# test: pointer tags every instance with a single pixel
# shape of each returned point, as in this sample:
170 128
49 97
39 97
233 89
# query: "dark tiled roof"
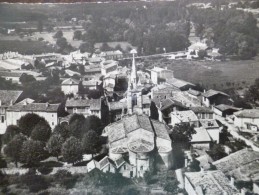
247 113
167 103
179 83
209 123
211 93
201 109
224 107
117 105
41 107
141 145
137 121
10 74
194 92
9 96
94 104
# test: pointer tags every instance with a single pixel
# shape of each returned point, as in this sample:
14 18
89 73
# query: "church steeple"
133 75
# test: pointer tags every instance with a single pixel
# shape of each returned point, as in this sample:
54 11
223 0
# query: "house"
136 137
241 165
224 110
213 97
166 106
70 86
48 111
108 66
247 119
92 84
159 75
201 139
194 93
96 71
203 112
125 168
180 84
125 46
162 91
112 55
85 107
212 128
117 110
14 75
181 96
7 99
187 116
208 183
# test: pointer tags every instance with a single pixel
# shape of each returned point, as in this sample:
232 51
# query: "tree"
32 152
25 79
76 117
62 130
41 131
93 123
86 47
77 35
182 133
62 43
54 145
10 132
195 166
71 150
28 122
14 147
91 142
105 47
118 47
202 54
217 152
153 111
58 34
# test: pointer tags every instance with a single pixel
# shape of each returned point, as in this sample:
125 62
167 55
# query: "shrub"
45 170
35 183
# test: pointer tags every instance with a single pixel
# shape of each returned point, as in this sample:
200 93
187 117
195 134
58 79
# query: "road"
234 132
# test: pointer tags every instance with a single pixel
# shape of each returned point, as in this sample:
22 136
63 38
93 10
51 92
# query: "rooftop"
247 113
209 123
35 107
94 104
179 83
117 105
201 135
212 182
236 159
185 116
9 97
211 93
70 81
194 92
201 109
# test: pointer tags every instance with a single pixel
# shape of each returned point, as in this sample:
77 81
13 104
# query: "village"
109 120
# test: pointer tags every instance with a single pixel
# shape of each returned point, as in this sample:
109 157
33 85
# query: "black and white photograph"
145 97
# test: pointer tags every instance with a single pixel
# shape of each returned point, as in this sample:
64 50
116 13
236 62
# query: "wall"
154 76
214 134
68 89
188 187
240 122
201 145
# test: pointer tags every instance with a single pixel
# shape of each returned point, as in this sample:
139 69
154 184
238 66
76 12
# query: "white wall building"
247 119
70 86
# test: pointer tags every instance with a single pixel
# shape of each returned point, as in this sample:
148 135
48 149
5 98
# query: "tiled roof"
201 135
93 70
212 182
201 109
117 105
194 92
104 162
209 123
167 103
185 116
33 107
137 121
161 130
92 82
120 161
236 160
10 74
141 145
8 97
70 81
212 92
179 83
247 113
94 104
224 107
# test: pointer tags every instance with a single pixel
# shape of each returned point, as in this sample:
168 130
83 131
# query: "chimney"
11 102
202 169
232 181
0 102
47 105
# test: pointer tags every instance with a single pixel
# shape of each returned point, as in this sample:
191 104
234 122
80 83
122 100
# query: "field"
214 74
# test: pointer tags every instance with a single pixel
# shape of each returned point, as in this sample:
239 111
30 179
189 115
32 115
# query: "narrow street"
234 132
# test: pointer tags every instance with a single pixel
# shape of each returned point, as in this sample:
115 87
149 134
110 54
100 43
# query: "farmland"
213 74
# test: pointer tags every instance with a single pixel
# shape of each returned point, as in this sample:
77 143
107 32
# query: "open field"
214 74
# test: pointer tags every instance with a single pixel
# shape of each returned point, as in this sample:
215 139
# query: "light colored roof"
213 92
161 130
8 97
93 70
34 107
117 105
209 123
185 116
224 107
179 83
201 109
247 113
236 159
212 182
140 145
10 74
94 104
194 92
198 46
70 81
168 102
201 135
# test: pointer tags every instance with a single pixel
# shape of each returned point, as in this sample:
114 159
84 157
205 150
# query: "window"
124 167
2 119
74 110
210 116
52 115
141 167
52 123
203 115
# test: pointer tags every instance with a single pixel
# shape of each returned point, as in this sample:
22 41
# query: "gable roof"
194 92
185 116
224 107
168 102
34 107
201 109
94 104
213 182
209 123
179 83
212 92
201 135
70 81
247 113
161 130
8 97
117 105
